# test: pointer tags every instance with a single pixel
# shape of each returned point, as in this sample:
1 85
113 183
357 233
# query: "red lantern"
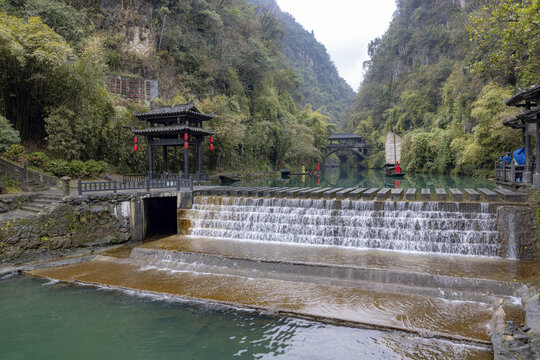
136 140
211 139
318 167
211 147
186 145
186 137
136 147
283 165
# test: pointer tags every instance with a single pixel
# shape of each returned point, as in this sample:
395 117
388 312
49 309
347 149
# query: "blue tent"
519 156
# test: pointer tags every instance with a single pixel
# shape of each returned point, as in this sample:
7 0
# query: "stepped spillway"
451 228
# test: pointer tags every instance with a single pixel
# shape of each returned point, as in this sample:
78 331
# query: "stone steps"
380 194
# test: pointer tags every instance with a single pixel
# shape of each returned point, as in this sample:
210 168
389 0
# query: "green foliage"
63 18
95 167
15 152
37 159
507 37
444 93
10 185
59 168
319 82
77 168
32 62
8 135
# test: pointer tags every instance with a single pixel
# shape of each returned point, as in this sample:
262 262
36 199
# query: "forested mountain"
440 74
227 54
320 83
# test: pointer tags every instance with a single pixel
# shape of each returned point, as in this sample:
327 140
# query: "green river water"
365 178
45 320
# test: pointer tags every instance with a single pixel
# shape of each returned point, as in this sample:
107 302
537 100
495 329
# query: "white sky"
345 28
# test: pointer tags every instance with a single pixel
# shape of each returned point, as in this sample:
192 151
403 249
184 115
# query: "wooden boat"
226 179
393 156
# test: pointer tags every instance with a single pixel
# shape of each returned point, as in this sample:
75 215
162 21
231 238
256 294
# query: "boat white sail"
393 148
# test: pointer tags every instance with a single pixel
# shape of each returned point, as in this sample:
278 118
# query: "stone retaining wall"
16 172
13 202
72 224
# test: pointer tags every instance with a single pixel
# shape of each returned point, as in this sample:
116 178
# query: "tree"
31 55
8 135
506 35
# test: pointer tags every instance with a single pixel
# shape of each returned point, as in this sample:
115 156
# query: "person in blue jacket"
520 156
506 160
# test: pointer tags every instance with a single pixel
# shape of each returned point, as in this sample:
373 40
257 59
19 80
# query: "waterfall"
452 228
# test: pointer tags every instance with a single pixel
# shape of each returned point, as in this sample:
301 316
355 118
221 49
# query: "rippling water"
43 320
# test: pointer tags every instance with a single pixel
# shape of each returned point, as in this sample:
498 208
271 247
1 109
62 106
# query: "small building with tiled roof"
528 122
178 125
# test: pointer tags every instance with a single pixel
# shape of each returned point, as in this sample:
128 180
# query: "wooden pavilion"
527 121
178 125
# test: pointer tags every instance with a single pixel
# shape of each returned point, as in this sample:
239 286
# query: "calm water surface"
41 320
364 178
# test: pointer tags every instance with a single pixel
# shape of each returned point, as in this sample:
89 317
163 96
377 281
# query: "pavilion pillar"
199 161
165 160
150 160
527 174
186 163
536 176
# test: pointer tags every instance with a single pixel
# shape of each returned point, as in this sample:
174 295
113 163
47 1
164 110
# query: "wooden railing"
147 184
509 174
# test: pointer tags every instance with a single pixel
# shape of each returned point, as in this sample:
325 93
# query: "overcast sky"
344 27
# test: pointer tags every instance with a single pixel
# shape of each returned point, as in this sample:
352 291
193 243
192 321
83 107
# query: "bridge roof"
343 136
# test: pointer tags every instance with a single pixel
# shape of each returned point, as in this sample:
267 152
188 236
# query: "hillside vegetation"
228 54
440 74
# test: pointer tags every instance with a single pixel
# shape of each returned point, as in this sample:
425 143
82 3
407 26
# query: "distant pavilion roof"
175 111
343 136
530 94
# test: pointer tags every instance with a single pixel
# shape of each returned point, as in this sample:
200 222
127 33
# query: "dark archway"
162 216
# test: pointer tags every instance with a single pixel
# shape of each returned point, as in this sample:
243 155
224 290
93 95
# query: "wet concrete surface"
462 320
523 272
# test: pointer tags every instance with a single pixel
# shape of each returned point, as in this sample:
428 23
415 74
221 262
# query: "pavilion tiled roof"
172 130
523 95
523 117
173 111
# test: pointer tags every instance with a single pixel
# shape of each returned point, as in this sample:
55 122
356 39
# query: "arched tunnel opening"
162 216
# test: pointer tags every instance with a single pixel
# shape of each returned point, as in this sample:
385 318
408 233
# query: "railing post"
513 172
79 186
148 184
114 186
178 184
191 184
25 177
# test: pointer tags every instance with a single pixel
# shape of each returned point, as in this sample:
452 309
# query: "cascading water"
453 228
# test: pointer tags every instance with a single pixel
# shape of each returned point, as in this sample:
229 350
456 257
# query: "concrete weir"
446 269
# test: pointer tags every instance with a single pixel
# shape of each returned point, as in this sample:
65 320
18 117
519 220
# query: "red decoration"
211 147
136 140
318 167
186 137
211 139
397 168
186 145
135 147
283 165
